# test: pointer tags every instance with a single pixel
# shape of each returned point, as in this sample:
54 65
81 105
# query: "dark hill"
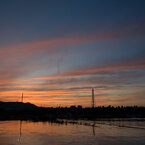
11 106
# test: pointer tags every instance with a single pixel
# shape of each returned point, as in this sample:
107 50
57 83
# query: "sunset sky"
55 51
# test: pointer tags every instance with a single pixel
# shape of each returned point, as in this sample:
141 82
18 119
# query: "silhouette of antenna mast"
93 101
22 98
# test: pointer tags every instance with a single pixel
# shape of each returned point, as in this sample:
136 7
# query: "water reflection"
64 133
20 135
93 127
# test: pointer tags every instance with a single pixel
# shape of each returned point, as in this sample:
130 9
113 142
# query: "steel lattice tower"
22 98
93 101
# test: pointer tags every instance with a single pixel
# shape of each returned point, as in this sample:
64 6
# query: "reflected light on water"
43 133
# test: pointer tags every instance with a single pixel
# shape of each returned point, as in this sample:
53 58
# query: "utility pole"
93 101
22 98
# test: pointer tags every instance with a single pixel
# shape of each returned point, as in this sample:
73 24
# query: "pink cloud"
55 43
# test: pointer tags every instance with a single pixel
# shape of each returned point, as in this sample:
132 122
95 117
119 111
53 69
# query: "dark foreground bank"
28 111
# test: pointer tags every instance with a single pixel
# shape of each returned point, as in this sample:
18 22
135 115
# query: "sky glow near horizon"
55 52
